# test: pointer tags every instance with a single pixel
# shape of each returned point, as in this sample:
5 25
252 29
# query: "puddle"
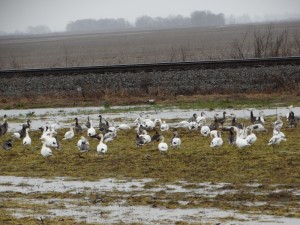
63 116
31 185
119 210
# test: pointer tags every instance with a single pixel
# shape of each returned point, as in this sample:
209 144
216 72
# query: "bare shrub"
173 54
296 38
183 53
14 64
238 49
266 43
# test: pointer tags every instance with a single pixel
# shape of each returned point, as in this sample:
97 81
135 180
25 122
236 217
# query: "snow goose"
182 124
276 139
27 139
50 141
91 131
47 132
46 151
216 141
162 146
110 136
69 134
123 126
240 142
257 127
8 144
164 127
213 134
101 147
276 131
243 132
53 126
145 136
175 141
278 123
201 120
251 138
205 131
193 126
148 124
83 145
78 127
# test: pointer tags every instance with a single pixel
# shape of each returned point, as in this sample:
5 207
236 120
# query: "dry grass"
188 44
194 162
208 101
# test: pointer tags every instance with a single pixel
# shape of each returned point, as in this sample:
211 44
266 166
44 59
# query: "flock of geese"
238 134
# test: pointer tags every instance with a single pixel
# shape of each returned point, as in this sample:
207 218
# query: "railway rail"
210 64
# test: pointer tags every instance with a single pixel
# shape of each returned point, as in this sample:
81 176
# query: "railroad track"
211 64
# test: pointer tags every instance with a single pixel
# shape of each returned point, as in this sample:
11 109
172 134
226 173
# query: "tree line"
196 19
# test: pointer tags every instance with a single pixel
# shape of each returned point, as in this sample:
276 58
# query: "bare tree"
66 54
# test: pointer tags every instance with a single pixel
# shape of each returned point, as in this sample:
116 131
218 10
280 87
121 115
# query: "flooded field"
65 116
109 201
192 185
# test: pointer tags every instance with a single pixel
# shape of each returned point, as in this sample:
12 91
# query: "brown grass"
188 44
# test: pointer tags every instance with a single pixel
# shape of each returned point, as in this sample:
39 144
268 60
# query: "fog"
54 15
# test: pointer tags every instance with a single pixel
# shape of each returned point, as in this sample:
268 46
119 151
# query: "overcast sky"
19 14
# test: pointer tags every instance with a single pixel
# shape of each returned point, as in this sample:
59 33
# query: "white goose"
205 131
240 142
162 146
45 151
110 136
145 136
216 141
50 141
123 126
91 131
182 124
213 134
257 127
164 126
101 147
276 139
251 138
27 139
201 120
175 141
69 134
193 125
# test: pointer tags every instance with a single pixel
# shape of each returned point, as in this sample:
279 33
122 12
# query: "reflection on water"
85 209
